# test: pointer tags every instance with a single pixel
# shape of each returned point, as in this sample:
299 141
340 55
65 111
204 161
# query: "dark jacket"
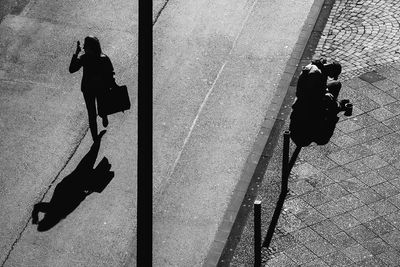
98 72
311 86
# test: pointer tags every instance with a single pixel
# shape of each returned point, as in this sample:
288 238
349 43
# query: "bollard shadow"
74 188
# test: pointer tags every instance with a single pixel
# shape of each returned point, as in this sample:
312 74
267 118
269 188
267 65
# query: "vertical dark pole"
145 119
285 161
257 233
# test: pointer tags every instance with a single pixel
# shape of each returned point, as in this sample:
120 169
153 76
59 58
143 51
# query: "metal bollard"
257 233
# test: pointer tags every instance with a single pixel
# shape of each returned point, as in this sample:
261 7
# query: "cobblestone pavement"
361 34
344 203
343 208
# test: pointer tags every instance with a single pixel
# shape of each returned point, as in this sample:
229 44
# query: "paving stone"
295 205
373 131
365 104
319 180
345 221
364 214
288 223
310 216
349 202
389 173
377 145
323 163
341 240
379 97
304 170
381 114
374 162
344 141
359 151
357 168
341 157
390 156
376 246
320 247
386 189
371 77
391 257
337 259
334 191
300 254
393 107
357 253
371 178
393 239
283 242
348 126
394 92
315 263
279 260
361 233
368 196
326 228
383 207
330 209
300 187
356 83
385 84
395 200
315 198
338 173
365 119
394 219
393 123
305 235
380 226
370 262
352 185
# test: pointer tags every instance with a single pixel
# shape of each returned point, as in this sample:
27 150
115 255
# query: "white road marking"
206 98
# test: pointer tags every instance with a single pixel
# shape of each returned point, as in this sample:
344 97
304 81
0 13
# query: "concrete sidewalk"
343 205
43 123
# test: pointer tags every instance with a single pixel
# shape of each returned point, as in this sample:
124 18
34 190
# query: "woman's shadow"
74 188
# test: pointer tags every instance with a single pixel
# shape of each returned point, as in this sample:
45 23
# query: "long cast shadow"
74 188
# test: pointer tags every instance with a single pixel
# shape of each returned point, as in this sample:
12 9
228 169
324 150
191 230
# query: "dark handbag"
118 99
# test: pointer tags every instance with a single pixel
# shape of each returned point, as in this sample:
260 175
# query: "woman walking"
97 79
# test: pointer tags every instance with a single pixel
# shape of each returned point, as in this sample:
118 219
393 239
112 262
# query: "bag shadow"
74 188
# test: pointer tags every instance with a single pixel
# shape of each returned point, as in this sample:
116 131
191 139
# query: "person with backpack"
314 113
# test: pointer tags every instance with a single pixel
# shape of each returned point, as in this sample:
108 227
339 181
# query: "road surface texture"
44 130
216 66
343 207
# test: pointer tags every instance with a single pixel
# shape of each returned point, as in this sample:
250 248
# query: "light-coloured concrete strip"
192 204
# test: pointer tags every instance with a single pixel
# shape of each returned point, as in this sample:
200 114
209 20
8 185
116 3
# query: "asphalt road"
43 124
216 66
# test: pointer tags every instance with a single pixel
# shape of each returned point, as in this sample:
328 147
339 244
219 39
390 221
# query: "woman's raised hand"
78 48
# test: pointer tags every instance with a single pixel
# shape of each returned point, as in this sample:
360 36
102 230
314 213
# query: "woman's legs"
101 106
91 108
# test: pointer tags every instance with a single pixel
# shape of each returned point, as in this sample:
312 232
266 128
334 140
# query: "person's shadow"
74 188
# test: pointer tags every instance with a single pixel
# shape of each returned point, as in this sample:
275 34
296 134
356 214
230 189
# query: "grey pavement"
343 204
217 66
43 124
